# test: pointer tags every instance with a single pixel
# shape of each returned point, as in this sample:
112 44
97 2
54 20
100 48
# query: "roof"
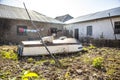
64 18
97 15
10 12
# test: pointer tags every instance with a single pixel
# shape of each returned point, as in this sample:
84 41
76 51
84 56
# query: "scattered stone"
35 68
46 63
74 64
79 71
27 66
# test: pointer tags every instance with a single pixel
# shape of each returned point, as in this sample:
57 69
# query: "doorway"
76 34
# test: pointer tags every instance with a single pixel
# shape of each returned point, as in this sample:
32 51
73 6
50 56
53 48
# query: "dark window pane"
53 30
89 30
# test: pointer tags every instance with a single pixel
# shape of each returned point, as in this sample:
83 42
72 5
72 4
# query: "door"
76 34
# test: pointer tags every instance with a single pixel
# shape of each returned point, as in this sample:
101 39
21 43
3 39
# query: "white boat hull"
54 49
63 45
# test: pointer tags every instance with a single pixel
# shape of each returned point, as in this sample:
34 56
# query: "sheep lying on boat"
61 45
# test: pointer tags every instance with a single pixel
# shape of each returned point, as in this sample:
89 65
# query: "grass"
93 63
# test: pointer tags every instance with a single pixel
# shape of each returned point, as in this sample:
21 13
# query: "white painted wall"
98 26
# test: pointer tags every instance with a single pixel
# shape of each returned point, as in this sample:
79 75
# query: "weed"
97 62
4 74
67 75
9 55
30 60
29 75
85 49
87 60
110 71
92 46
40 62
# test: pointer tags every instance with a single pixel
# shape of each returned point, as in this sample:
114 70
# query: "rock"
34 68
79 71
91 78
103 69
5 49
95 75
27 66
46 63
86 70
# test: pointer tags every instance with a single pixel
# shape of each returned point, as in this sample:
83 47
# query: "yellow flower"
28 75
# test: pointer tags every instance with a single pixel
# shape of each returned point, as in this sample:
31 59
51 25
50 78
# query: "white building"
104 24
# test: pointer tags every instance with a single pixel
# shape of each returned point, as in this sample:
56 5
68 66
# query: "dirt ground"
90 64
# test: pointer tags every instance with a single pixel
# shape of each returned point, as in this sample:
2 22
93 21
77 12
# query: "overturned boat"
57 46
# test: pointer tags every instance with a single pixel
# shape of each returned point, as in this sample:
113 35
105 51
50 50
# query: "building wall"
99 27
11 35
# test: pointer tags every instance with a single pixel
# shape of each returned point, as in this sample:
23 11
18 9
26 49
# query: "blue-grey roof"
64 17
97 15
10 12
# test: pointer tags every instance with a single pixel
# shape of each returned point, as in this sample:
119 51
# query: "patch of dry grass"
75 66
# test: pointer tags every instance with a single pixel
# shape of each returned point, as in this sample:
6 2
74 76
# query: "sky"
75 8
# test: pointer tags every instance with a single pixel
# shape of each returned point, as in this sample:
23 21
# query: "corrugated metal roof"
20 13
64 18
97 15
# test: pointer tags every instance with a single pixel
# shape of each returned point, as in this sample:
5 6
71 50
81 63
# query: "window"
53 30
89 30
117 27
21 30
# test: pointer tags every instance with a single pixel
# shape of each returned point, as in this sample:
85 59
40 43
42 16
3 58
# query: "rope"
35 27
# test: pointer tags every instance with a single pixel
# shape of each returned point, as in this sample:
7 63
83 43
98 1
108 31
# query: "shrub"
9 55
97 62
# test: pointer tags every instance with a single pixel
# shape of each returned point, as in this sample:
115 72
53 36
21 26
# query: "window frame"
89 28
20 33
53 30
117 27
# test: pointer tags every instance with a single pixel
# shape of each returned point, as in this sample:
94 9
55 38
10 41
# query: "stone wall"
8 30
